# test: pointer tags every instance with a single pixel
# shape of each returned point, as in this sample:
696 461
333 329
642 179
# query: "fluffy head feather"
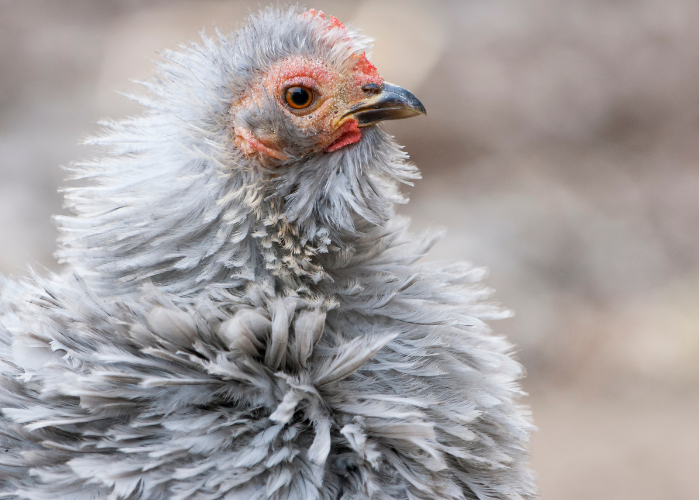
247 320
175 201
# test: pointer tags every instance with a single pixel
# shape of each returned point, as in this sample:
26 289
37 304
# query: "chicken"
241 313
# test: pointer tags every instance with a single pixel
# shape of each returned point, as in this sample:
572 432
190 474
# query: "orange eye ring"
299 97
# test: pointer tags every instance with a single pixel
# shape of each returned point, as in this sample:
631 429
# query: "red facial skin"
334 93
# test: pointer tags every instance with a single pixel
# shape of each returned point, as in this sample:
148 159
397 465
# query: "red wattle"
350 134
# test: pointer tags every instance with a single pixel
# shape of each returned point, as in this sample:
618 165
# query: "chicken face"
302 105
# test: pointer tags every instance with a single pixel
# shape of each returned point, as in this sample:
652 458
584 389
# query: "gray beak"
388 102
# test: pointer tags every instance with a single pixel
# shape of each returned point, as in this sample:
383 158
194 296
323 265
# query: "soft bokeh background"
560 151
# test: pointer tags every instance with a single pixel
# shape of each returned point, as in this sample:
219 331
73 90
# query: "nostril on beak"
371 88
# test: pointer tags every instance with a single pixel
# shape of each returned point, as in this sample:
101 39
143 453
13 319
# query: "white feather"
177 327
228 328
246 331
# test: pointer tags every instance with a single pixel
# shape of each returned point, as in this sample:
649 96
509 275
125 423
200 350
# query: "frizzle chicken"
242 315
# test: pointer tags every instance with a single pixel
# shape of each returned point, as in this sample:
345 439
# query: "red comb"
365 70
333 22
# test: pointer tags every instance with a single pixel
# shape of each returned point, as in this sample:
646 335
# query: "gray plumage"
228 328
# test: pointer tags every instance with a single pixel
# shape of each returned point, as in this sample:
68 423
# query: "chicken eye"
299 97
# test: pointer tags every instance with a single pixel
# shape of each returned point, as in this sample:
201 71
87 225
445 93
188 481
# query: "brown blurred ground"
560 151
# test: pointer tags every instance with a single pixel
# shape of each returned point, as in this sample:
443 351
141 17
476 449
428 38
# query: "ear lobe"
249 145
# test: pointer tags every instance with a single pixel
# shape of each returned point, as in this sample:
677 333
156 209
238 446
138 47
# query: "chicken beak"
388 102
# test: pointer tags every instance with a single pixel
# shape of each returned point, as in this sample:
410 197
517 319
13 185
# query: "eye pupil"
298 97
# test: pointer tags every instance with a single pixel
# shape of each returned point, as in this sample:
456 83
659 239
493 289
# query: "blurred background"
561 151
